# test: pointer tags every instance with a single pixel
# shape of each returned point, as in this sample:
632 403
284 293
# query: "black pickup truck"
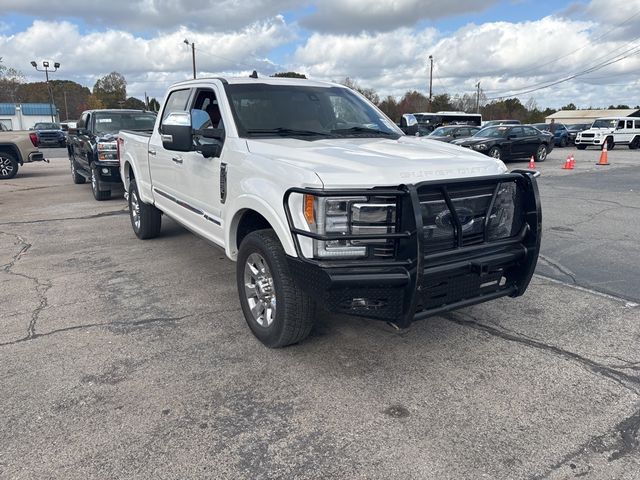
92 146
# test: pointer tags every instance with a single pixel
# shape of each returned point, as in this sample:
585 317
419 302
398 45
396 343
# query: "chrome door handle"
152 152
177 159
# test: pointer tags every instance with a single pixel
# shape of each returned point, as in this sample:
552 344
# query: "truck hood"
365 162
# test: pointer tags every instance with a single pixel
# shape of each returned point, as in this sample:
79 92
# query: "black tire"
148 221
635 143
8 166
563 142
541 153
294 309
581 147
98 194
609 143
495 152
77 178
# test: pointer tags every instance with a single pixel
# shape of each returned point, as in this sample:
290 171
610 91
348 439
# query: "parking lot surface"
130 359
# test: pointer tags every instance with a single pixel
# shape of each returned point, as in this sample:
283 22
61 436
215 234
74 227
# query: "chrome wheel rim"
6 167
495 153
542 153
135 210
259 290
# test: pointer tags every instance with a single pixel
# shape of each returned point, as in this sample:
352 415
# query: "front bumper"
108 171
590 141
419 283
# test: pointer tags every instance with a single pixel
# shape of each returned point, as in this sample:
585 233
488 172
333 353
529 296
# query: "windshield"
492 132
605 123
113 122
46 126
443 131
308 112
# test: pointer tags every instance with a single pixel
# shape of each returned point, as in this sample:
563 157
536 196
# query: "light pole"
193 55
45 64
430 82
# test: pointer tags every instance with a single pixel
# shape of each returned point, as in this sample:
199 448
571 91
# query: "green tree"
134 103
10 81
154 105
390 108
569 106
289 75
111 90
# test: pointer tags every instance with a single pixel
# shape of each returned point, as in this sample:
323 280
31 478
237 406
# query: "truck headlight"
107 151
503 222
348 216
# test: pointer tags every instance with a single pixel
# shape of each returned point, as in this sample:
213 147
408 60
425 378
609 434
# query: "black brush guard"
421 280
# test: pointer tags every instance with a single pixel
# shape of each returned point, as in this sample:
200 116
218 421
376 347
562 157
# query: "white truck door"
165 166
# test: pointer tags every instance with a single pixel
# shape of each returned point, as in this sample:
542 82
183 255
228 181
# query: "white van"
612 131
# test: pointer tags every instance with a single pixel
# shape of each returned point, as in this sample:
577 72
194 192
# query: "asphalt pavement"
129 359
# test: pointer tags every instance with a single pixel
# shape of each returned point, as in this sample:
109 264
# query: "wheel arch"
251 214
13 150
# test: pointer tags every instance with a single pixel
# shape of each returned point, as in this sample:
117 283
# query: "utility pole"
66 109
430 82
45 64
478 98
193 55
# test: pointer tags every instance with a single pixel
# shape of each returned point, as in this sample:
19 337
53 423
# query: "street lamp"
193 55
45 64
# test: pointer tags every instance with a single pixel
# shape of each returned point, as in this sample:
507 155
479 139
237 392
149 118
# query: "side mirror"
176 132
409 124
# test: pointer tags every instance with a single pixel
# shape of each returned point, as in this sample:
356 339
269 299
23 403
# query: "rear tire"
277 311
98 194
8 166
635 143
146 219
541 153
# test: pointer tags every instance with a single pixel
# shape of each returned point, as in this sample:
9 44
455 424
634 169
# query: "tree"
390 108
413 101
369 93
10 80
289 75
134 103
154 105
441 103
111 89
569 106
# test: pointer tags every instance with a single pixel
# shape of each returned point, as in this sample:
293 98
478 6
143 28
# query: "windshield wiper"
363 130
287 132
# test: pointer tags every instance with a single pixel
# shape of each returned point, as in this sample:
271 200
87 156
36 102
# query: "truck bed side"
134 158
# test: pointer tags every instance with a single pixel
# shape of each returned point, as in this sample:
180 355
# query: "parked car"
573 130
322 200
452 132
611 131
16 149
560 133
92 146
50 134
510 141
493 123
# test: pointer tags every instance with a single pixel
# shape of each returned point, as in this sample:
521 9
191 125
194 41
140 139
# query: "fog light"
105 171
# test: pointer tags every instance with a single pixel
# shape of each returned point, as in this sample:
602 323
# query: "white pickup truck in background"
322 201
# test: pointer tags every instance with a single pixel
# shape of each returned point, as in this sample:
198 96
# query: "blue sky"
505 45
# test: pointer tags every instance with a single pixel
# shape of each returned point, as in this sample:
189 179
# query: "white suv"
612 131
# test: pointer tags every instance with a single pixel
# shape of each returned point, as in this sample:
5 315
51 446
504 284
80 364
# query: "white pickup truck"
323 201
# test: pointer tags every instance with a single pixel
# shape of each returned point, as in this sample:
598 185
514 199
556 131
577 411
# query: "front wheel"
77 178
541 153
609 143
8 166
146 219
95 186
495 152
277 311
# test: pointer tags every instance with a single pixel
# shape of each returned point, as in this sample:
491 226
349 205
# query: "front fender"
246 202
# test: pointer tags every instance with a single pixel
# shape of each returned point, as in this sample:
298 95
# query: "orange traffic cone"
573 161
603 155
567 164
532 163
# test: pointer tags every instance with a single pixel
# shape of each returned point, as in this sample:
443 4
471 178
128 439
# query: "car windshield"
113 122
542 126
46 126
492 132
574 128
305 111
605 123
443 131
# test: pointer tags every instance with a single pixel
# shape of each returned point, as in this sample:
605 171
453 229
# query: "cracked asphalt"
129 359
